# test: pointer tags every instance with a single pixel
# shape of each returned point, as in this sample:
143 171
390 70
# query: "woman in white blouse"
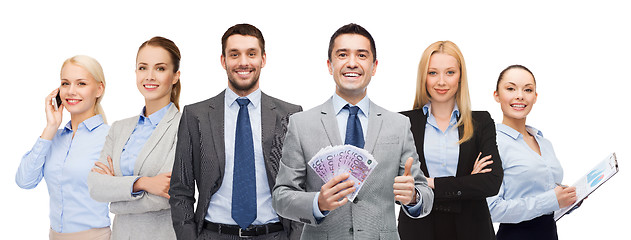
530 191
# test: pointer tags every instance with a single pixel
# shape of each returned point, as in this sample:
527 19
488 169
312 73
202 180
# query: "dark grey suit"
200 159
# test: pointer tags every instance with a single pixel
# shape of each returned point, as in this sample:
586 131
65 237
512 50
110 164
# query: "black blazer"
460 210
200 159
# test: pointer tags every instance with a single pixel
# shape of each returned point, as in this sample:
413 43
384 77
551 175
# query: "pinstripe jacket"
200 159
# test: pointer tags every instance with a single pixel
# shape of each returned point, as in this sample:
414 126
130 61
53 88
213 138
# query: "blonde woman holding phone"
63 157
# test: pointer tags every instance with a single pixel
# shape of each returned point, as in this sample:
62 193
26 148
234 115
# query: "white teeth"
72 100
351 75
518 105
151 86
243 73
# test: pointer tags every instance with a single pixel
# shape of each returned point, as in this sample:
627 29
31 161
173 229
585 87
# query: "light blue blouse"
441 149
138 138
527 190
64 162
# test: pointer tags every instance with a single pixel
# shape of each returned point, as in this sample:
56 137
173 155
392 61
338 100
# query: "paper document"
591 181
332 161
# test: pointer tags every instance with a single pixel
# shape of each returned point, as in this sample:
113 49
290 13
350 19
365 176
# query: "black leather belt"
251 231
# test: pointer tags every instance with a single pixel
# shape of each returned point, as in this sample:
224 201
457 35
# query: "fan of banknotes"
333 161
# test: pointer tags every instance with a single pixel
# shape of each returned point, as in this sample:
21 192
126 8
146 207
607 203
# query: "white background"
579 53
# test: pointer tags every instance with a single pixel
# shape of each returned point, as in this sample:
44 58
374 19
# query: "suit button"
350 230
356 200
459 193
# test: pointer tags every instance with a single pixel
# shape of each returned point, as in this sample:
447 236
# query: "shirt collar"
455 113
515 134
339 103
533 131
155 117
90 123
254 97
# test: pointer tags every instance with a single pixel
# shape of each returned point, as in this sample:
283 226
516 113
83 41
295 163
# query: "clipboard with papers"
587 184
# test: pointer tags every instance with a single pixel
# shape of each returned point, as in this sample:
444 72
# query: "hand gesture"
332 194
478 166
565 196
158 185
102 169
404 190
53 118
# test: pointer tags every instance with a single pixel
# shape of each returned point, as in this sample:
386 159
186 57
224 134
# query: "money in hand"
333 161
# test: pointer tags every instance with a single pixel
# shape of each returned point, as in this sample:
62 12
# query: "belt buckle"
241 235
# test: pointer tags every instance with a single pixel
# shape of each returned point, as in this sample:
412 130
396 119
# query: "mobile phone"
57 102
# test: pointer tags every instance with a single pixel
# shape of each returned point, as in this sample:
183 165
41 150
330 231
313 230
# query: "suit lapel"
120 145
374 127
330 123
464 167
216 123
155 137
418 132
269 117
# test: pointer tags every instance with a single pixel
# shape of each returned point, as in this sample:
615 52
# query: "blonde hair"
462 95
94 68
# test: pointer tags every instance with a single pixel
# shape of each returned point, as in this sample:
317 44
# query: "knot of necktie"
243 102
352 109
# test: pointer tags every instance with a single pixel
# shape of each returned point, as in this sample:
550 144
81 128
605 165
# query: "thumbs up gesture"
404 190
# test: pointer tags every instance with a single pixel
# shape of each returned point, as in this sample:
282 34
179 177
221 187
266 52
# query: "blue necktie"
243 178
354 133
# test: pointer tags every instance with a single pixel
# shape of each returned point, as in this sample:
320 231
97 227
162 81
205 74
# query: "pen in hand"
562 185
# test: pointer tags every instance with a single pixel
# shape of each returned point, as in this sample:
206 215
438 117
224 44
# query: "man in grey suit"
302 196
224 147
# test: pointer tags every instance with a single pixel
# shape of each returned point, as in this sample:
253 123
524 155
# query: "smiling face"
243 61
352 66
154 74
79 90
443 78
516 94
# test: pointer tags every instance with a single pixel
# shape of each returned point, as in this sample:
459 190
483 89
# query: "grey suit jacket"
200 160
145 216
371 215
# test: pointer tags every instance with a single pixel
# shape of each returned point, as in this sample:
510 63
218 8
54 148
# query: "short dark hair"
516 66
353 28
242 29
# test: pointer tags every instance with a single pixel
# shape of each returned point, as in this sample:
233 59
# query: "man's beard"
245 88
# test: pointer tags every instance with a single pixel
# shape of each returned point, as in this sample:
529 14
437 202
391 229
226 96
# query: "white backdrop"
578 52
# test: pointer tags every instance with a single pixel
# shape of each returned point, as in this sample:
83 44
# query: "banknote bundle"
333 161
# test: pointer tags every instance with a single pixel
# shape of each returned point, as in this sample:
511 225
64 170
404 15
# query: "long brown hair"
170 47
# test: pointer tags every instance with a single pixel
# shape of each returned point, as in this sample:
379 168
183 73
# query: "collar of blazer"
418 132
329 122
127 128
163 126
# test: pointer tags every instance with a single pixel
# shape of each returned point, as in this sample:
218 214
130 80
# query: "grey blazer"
200 160
372 214
145 216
